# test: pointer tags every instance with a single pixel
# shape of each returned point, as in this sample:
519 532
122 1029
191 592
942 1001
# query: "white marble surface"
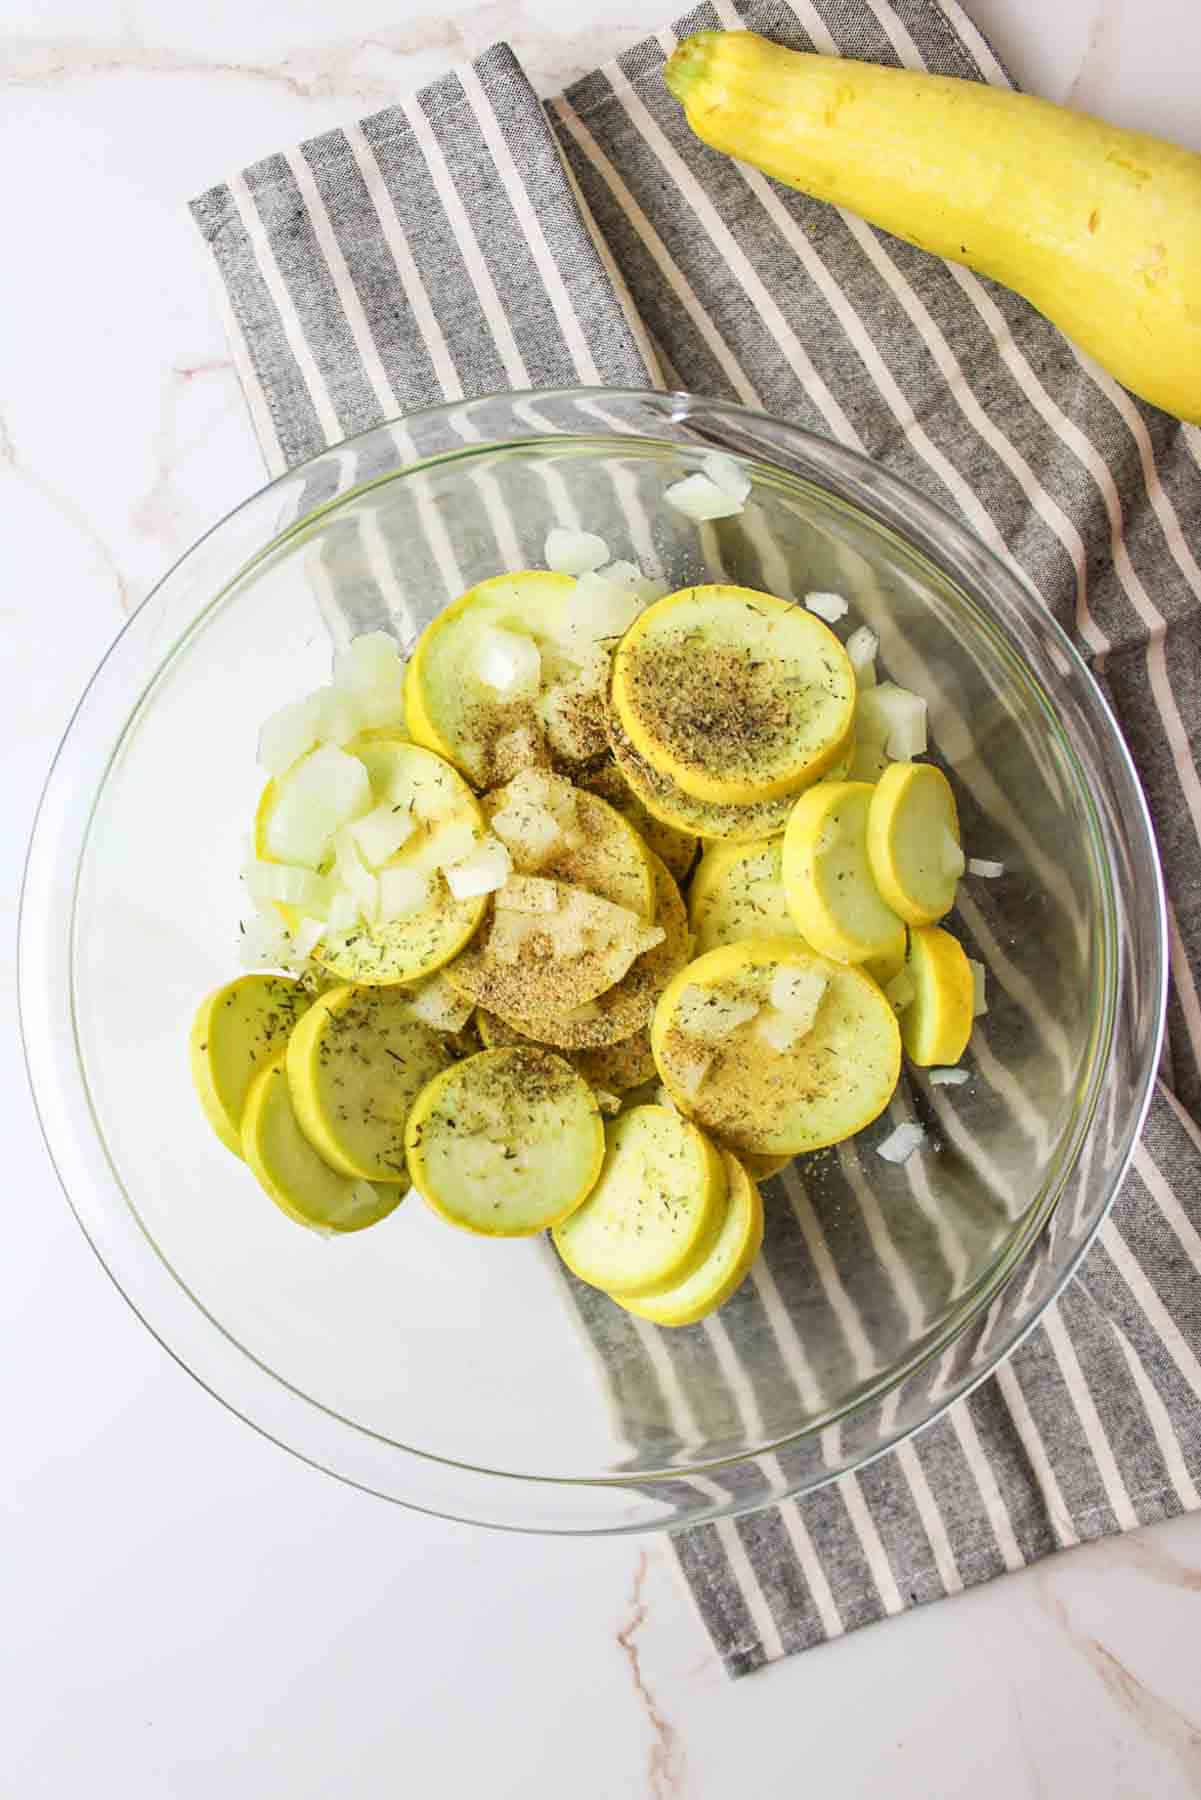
188 1611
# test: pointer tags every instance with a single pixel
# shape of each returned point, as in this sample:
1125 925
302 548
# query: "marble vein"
665 1764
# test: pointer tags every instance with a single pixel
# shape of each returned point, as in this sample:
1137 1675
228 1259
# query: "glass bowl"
474 1378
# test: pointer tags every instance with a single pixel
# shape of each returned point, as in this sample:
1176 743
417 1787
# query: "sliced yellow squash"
727 1265
723 1060
354 1071
674 846
937 1022
506 1143
237 1031
913 841
737 893
301 1182
626 1007
450 707
737 696
447 821
553 828
665 800
655 1211
762 1168
547 950
831 891
618 1067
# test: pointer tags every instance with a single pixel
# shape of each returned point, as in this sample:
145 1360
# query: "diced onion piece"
708 1014
948 1077
266 881
900 1143
321 793
830 607
448 841
901 718
528 894
339 716
980 1002
402 892
519 748
371 670
952 855
700 499
628 575
861 648
538 787
574 552
510 663
900 991
307 936
777 1029
343 913
982 866
596 611
607 1102
354 877
797 994
689 1076
263 943
437 1004
287 734
725 474
531 834
483 872
380 833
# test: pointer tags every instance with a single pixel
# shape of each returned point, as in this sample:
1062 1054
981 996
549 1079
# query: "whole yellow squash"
1099 228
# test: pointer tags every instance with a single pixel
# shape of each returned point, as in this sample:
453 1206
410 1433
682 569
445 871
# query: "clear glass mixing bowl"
474 1378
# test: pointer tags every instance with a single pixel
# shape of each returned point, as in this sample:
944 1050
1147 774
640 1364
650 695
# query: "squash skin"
1097 227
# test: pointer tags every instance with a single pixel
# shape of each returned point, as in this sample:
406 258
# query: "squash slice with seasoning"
354 1071
301 1182
237 1031
727 1265
775 1050
506 1143
655 1211
735 695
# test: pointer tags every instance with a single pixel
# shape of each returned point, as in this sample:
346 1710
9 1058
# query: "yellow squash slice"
547 950
237 1031
506 1143
937 1022
449 707
913 841
737 893
675 847
666 801
553 828
614 1068
727 1265
655 1211
299 1181
762 1168
626 1007
445 812
354 1070
737 696
723 1059
831 891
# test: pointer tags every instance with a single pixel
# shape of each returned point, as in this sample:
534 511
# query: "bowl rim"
930 517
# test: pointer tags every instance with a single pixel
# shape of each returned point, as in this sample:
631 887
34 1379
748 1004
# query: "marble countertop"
188 1610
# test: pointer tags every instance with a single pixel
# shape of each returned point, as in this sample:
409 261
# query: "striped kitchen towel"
469 240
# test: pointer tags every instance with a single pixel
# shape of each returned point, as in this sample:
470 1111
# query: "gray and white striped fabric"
469 240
